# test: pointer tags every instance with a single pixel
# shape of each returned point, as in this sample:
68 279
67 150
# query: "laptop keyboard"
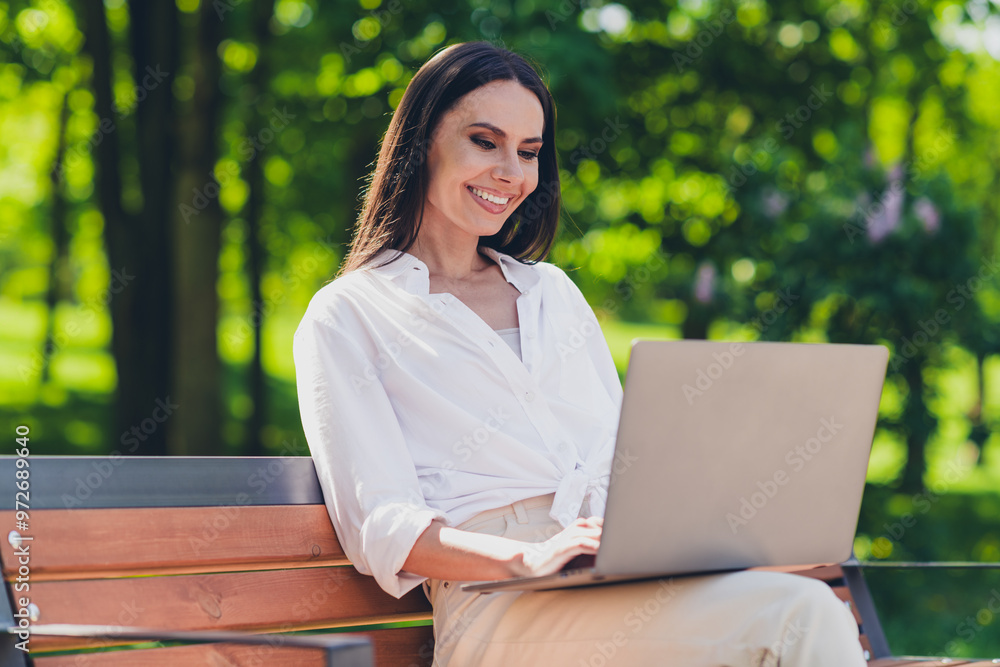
580 563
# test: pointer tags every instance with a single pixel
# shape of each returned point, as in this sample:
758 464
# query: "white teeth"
488 197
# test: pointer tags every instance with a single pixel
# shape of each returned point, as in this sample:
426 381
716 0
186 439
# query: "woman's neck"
449 257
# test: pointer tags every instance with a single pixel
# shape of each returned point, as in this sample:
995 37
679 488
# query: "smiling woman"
476 107
461 405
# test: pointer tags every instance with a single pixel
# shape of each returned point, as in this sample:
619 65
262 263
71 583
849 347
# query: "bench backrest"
193 543
216 543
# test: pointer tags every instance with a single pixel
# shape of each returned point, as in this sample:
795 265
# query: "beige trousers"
740 619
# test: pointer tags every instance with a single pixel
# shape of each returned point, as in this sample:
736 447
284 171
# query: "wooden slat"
403 647
924 662
270 601
844 593
822 571
96 543
210 655
396 647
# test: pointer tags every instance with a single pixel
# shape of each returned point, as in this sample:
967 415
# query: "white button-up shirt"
415 409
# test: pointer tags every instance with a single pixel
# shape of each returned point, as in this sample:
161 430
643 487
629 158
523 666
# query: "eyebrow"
497 131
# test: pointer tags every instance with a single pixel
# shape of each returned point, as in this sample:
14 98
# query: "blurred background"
177 179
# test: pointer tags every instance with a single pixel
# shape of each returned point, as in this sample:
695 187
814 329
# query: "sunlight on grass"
621 334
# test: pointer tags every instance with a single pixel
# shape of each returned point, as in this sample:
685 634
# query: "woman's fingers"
589 521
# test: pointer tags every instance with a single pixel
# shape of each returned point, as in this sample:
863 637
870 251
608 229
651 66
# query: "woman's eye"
489 145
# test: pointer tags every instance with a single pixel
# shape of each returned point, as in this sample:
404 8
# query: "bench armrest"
855 580
341 650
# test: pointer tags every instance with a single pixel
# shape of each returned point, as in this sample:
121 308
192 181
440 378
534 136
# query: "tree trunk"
137 254
918 426
263 10
59 238
196 219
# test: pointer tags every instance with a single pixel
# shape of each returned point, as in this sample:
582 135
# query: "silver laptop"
733 455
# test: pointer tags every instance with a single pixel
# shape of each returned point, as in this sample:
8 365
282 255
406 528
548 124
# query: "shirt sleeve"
366 472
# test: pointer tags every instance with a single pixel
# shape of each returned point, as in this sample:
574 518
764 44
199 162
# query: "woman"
461 405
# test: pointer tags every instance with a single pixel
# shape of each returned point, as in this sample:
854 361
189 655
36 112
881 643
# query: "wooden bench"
125 551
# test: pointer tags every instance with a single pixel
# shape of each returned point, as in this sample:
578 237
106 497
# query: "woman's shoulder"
342 295
557 278
547 273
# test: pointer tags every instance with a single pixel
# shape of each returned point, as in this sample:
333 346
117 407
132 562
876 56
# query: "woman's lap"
737 619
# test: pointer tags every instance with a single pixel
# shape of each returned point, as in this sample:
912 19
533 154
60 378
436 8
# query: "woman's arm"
442 552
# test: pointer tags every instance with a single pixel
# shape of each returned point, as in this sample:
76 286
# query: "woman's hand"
442 552
582 537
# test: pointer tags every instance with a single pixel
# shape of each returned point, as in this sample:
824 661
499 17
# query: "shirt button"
530 334
529 396
562 447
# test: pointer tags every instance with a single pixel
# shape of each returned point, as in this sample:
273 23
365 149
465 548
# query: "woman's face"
487 144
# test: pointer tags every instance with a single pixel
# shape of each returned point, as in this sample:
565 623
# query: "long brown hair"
394 202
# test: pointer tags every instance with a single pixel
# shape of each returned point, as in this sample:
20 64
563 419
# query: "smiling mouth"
485 196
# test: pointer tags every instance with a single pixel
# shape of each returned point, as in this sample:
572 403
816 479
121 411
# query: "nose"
508 168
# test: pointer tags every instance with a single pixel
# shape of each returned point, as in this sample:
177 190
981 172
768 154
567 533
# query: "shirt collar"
412 275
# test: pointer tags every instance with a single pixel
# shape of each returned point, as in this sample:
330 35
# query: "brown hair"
394 202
